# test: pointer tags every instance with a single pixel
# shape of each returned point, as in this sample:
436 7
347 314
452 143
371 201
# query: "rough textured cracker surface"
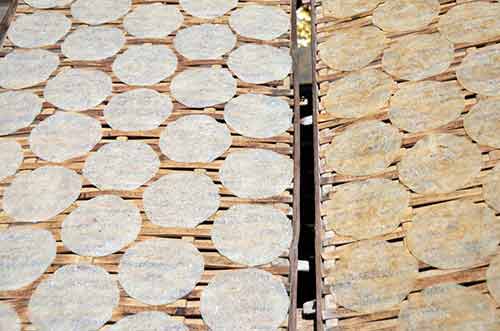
368 208
95 12
160 271
121 165
45 4
256 173
358 94
373 276
252 234
154 20
19 110
181 200
457 234
93 43
25 254
348 8
364 148
258 115
479 71
426 105
41 194
405 15
205 41
207 8
493 278
76 297
148 321
8 318
260 22
491 188
440 163
482 122
353 48
101 226
248 299
64 136
11 157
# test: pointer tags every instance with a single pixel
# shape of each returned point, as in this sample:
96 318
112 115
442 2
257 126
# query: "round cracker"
95 12
260 64
367 209
491 189
405 15
456 234
195 138
78 89
148 321
440 163
203 87
42 28
359 94
11 158
138 110
160 271
260 22
46 4
64 136
448 307
207 8
493 278
364 148
25 254
101 226
353 48
248 299
19 110
252 234
482 123
181 200
472 22
25 68
258 115
41 194
76 297
416 57
479 72
373 276
348 8
426 105
154 20
93 43
256 173
205 41
9 320
121 165
145 64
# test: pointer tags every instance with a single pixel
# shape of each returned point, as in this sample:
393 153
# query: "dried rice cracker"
252 234
76 297
11 157
138 110
148 321
364 148
160 271
43 28
92 43
19 110
121 165
181 200
373 276
440 163
353 48
367 208
205 41
426 105
457 234
207 8
260 22
26 68
145 64
479 72
359 94
95 12
416 57
258 115
348 8
260 64
9 320
482 122
101 226
248 299
449 307
154 20
203 87
25 254
491 188
46 4
256 173
41 194
472 22
78 89
405 15
493 278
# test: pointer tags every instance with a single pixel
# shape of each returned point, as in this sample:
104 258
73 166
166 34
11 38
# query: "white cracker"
148 321
19 110
493 278
491 188
482 122
348 8
11 158
479 72
93 43
46 4
207 8
260 22
405 15
154 20
205 41
95 12
8 318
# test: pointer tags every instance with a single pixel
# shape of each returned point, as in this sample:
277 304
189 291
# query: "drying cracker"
148 321
479 72
440 163
260 22
154 20
482 122
491 188
46 4
19 110
205 41
11 158
405 15
364 148
493 278
348 8
8 318
207 8
92 43
95 12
